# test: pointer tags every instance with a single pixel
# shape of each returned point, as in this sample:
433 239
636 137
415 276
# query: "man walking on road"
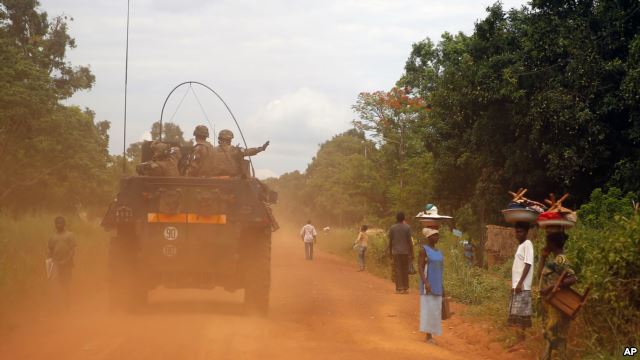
308 235
401 250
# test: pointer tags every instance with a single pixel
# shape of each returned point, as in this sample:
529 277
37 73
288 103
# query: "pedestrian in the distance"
309 235
469 251
401 251
520 309
361 245
430 268
61 250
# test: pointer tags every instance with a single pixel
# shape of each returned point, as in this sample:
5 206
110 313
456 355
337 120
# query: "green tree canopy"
544 97
50 154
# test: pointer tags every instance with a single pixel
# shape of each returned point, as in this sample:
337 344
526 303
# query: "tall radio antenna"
126 77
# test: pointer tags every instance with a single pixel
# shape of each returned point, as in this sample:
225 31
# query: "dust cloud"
319 309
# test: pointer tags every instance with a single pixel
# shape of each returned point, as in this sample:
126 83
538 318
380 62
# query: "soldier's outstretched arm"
254 151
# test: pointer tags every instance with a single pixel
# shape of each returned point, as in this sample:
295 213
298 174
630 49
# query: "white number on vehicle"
170 233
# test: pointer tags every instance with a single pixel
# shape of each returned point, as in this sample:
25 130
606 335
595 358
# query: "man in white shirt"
520 309
308 235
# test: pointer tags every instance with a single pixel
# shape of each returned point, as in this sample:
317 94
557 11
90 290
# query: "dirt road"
320 309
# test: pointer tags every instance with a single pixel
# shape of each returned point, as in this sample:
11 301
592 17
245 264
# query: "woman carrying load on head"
430 268
555 323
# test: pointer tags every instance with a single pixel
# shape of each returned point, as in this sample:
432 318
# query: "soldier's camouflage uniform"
164 163
201 161
227 159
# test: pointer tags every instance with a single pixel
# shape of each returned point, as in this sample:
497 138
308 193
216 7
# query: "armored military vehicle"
187 232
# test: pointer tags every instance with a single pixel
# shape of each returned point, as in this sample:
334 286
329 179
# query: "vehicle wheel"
257 272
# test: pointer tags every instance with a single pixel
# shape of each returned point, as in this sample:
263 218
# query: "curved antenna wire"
223 102
202 109
179 104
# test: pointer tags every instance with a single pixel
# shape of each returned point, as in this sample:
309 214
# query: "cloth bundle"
563 217
524 204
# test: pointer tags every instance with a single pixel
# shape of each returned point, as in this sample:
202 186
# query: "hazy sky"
289 70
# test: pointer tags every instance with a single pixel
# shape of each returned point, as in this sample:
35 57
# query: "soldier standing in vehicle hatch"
201 158
227 159
164 163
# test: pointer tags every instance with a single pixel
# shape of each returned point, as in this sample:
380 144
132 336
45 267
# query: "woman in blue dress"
430 265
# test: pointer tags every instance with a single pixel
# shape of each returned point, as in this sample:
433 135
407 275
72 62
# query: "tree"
63 166
539 97
55 155
341 186
170 133
34 68
398 122
544 97
345 185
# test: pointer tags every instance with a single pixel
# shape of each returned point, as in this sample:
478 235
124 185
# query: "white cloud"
265 174
304 107
296 123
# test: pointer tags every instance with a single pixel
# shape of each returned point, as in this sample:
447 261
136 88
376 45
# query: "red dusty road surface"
320 309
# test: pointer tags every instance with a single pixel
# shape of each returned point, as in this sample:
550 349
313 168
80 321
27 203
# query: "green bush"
605 248
601 208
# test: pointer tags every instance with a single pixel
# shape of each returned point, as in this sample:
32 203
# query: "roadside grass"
340 242
23 249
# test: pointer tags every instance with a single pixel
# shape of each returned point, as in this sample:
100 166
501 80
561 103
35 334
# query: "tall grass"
23 249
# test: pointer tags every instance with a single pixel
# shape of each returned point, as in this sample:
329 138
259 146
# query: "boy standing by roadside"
61 250
520 309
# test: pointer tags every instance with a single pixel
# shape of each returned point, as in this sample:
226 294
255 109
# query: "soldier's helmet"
225 135
201 131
